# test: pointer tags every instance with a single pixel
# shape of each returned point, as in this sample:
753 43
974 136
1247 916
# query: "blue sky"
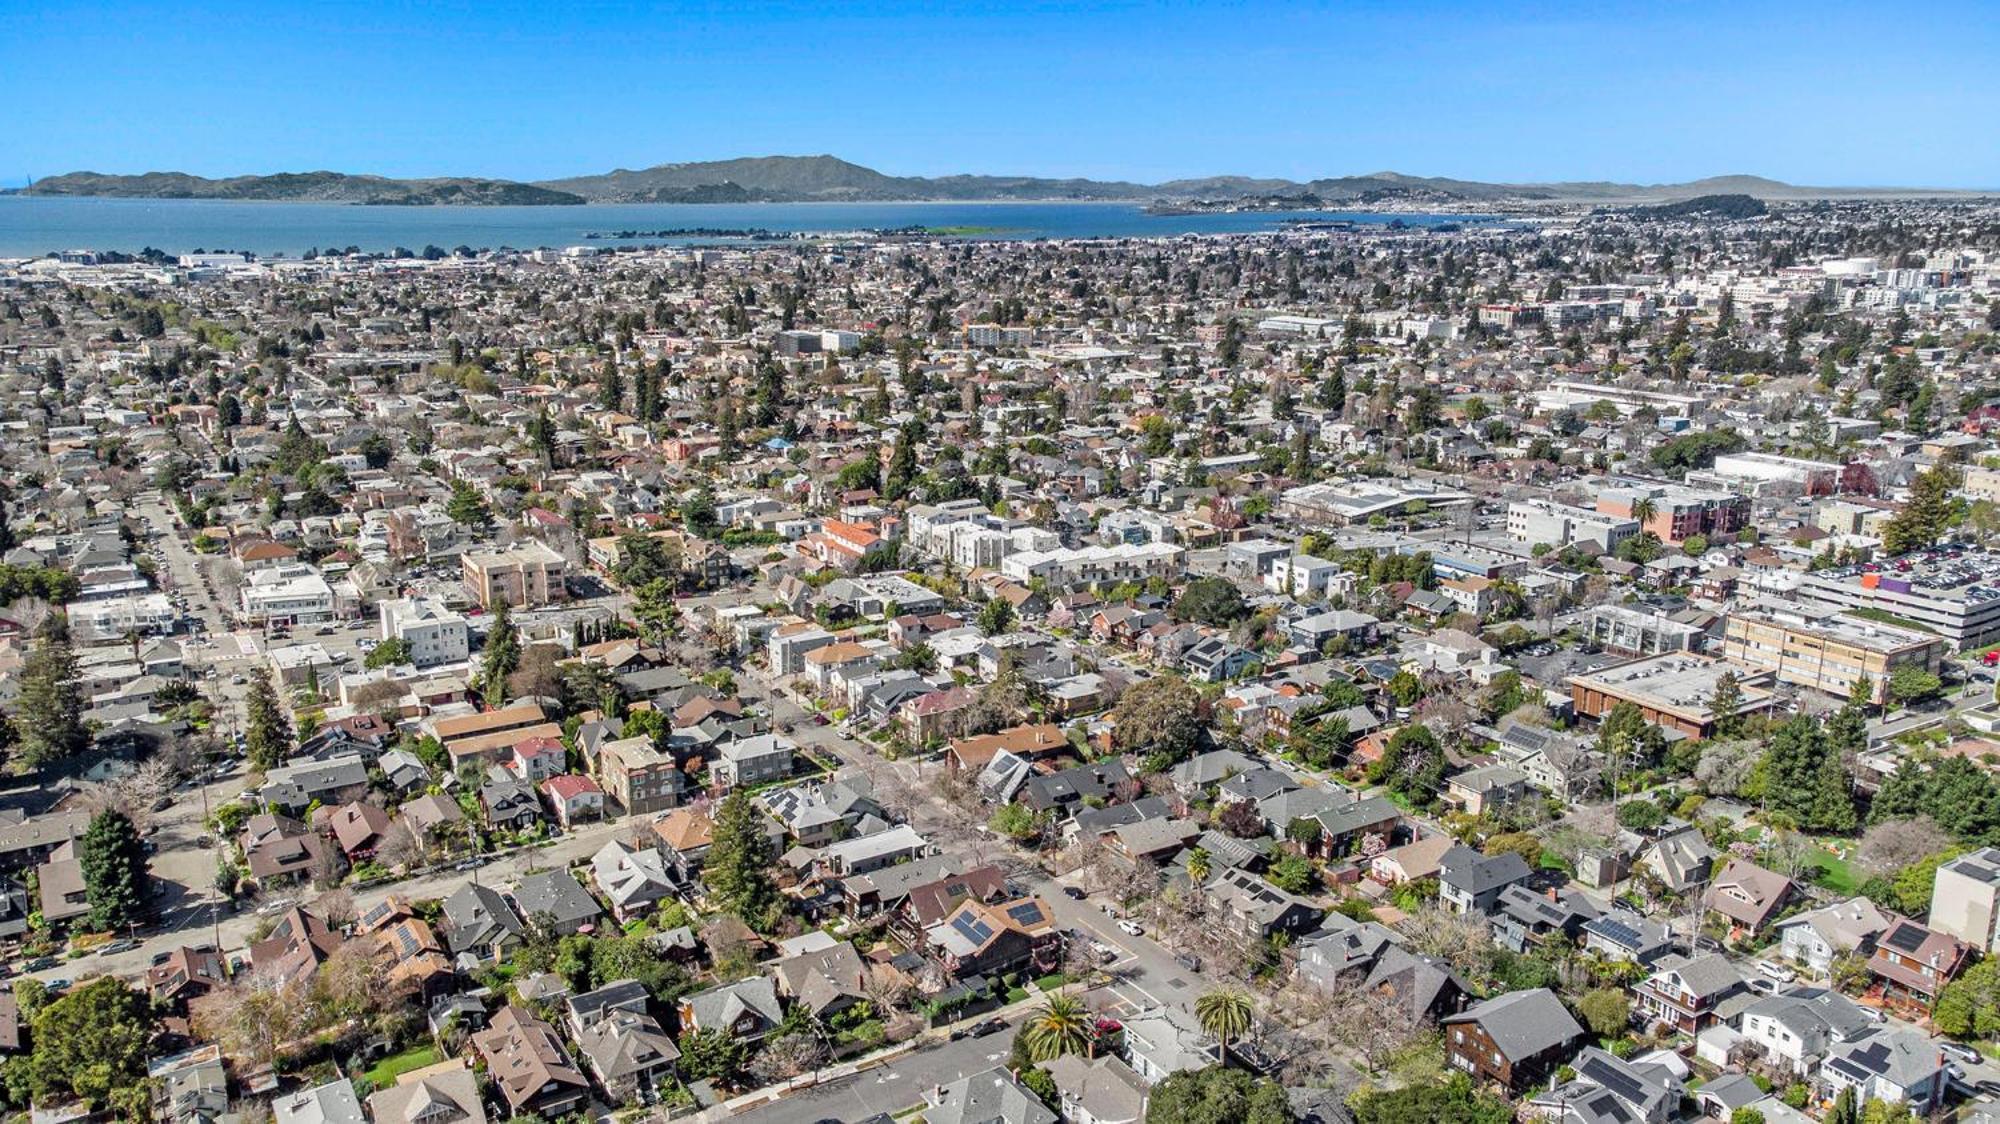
1819 93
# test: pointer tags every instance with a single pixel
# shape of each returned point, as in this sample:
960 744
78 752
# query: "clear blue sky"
1819 93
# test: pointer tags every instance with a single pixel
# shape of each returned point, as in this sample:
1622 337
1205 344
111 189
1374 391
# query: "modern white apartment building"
1559 525
1092 565
433 633
1965 899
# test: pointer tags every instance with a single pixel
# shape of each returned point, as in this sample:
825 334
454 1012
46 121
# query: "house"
186 974
818 813
1685 995
1100 1090
994 1096
1623 936
1897 1066
1522 919
1256 910
1681 860
1100 782
757 760
1747 894
1814 939
1612 1090
1469 882
509 802
479 923
685 834
281 850
357 827
1162 1041
1557 763
1913 964
624 1047
331 1103
1514 1040
445 1093
1344 823
825 981
1215 660
573 799
553 898
978 938
298 943
1412 861
747 1010
526 1060
1476 791
634 880
1794 1030
1200 774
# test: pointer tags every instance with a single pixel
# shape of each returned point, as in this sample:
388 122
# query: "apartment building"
1965 899
1678 514
527 575
433 633
1559 525
1631 632
1828 654
638 776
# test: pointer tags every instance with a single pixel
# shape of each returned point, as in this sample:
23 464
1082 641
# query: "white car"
1131 928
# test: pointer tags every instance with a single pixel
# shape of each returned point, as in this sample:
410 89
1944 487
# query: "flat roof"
1677 681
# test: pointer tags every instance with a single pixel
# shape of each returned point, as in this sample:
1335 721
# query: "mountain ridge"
828 178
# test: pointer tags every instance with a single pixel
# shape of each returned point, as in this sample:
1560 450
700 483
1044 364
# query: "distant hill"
1707 206
305 187
789 179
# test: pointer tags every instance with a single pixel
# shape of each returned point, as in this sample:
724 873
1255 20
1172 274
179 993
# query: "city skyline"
1831 97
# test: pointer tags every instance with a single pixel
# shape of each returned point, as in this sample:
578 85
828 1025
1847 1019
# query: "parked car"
40 964
116 947
984 1027
1189 961
1771 969
1130 928
1962 1052
1074 892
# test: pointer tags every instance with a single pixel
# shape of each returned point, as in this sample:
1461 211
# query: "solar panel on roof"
972 929
1616 930
1027 913
1906 938
1618 1080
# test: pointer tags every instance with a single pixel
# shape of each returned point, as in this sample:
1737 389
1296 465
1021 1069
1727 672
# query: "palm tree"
1060 1026
1197 866
1643 509
1225 1014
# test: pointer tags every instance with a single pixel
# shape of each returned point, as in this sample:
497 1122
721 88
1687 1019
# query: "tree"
1912 684
1015 822
658 614
114 871
389 653
1969 1006
1161 718
468 508
1806 779
1219 1095
267 735
1225 1014
1932 506
1293 874
1215 602
738 871
1726 704
1061 1025
502 654
712 1055
1893 845
48 713
1641 815
996 616
1432 1102
1607 1011
92 1043
1198 868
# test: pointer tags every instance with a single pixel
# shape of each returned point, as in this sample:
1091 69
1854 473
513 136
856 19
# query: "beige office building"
1827 654
527 575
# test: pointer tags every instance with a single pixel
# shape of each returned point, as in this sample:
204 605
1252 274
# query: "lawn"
1838 875
385 1072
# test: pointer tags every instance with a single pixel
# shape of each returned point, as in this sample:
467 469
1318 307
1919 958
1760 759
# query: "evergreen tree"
542 436
467 507
114 871
1726 704
1932 508
738 870
502 654
610 387
49 709
901 470
268 732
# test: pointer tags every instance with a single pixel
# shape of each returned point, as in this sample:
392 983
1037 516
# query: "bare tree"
336 908
1455 938
789 1055
1892 845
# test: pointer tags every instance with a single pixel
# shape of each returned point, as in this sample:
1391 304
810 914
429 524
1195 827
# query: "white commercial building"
433 633
113 618
293 593
1092 565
